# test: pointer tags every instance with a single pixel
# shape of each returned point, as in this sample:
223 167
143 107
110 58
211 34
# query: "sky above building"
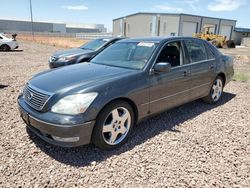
104 11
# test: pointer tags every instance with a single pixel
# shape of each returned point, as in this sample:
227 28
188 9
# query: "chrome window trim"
197 62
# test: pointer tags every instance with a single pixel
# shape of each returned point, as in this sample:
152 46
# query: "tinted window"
171 53
196 50
133 55
210 54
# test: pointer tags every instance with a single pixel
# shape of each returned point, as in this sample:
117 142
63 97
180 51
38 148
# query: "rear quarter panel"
225 65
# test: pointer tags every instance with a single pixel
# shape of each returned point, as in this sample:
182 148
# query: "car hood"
80 75
71 52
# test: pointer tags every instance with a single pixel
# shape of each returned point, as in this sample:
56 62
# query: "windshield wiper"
86 48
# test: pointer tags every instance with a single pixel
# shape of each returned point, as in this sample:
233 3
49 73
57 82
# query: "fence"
70 35
92 35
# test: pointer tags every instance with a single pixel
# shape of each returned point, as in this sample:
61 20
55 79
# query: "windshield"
94 44
132 55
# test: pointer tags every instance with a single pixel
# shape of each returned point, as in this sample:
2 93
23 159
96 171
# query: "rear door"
169 89
202 66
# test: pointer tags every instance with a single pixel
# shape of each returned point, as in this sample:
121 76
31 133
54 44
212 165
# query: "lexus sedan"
102 100
82 54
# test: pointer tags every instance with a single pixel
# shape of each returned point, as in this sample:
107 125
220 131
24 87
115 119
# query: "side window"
210 54
196 50
171 53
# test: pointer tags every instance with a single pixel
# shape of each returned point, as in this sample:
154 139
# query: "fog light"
61 139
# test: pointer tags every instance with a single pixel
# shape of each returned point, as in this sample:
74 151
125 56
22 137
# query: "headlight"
74 104
66 59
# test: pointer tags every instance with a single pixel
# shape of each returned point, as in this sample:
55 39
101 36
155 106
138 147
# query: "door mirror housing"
162 67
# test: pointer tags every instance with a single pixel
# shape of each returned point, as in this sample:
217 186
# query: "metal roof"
242 30
171 14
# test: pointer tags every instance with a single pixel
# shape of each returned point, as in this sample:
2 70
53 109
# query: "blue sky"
103 11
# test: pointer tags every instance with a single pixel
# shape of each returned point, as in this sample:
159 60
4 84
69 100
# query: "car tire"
5 47
216 91
113 125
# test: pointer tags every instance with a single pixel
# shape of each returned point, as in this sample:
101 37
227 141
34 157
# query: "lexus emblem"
30 96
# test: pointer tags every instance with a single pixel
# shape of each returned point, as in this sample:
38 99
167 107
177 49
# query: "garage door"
189 28
209 28
226 31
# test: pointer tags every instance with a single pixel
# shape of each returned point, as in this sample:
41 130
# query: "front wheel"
113 125
216 91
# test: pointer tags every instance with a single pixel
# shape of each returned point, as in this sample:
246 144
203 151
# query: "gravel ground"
195 145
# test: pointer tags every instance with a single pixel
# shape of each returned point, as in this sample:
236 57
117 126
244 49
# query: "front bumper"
80 131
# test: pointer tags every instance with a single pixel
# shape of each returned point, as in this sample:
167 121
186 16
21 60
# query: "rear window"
94 44
196 50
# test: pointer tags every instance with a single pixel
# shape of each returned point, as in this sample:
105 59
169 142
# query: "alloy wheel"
116 126
217 89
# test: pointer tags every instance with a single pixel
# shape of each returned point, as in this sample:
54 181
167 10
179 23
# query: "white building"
8 25
163 24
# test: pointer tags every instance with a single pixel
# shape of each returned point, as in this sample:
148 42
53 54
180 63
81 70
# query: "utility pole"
31 19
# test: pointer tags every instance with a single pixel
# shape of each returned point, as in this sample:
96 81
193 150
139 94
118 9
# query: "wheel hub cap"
217 90
116 126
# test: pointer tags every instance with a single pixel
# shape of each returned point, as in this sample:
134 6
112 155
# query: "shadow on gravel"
3 86
15 51
166 121
12 51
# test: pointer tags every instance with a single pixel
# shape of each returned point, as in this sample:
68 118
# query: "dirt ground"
195 145
65 42
241 61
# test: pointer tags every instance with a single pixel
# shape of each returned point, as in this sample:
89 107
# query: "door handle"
211 66
185 73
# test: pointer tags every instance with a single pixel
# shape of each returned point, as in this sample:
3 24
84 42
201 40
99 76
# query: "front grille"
34 98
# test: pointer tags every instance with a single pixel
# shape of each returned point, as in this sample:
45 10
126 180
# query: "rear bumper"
57 134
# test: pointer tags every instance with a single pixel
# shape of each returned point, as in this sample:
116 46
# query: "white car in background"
6 43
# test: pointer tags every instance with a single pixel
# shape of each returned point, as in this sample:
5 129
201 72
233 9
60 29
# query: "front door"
169 89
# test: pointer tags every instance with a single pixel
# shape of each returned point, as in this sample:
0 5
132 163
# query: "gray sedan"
82 54
101 101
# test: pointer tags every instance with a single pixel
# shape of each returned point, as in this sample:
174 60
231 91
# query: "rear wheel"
216 91
113 125
5 47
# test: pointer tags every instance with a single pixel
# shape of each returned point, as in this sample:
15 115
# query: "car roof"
154 39
110 38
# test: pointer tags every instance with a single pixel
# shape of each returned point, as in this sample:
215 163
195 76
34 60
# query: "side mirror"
162 67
